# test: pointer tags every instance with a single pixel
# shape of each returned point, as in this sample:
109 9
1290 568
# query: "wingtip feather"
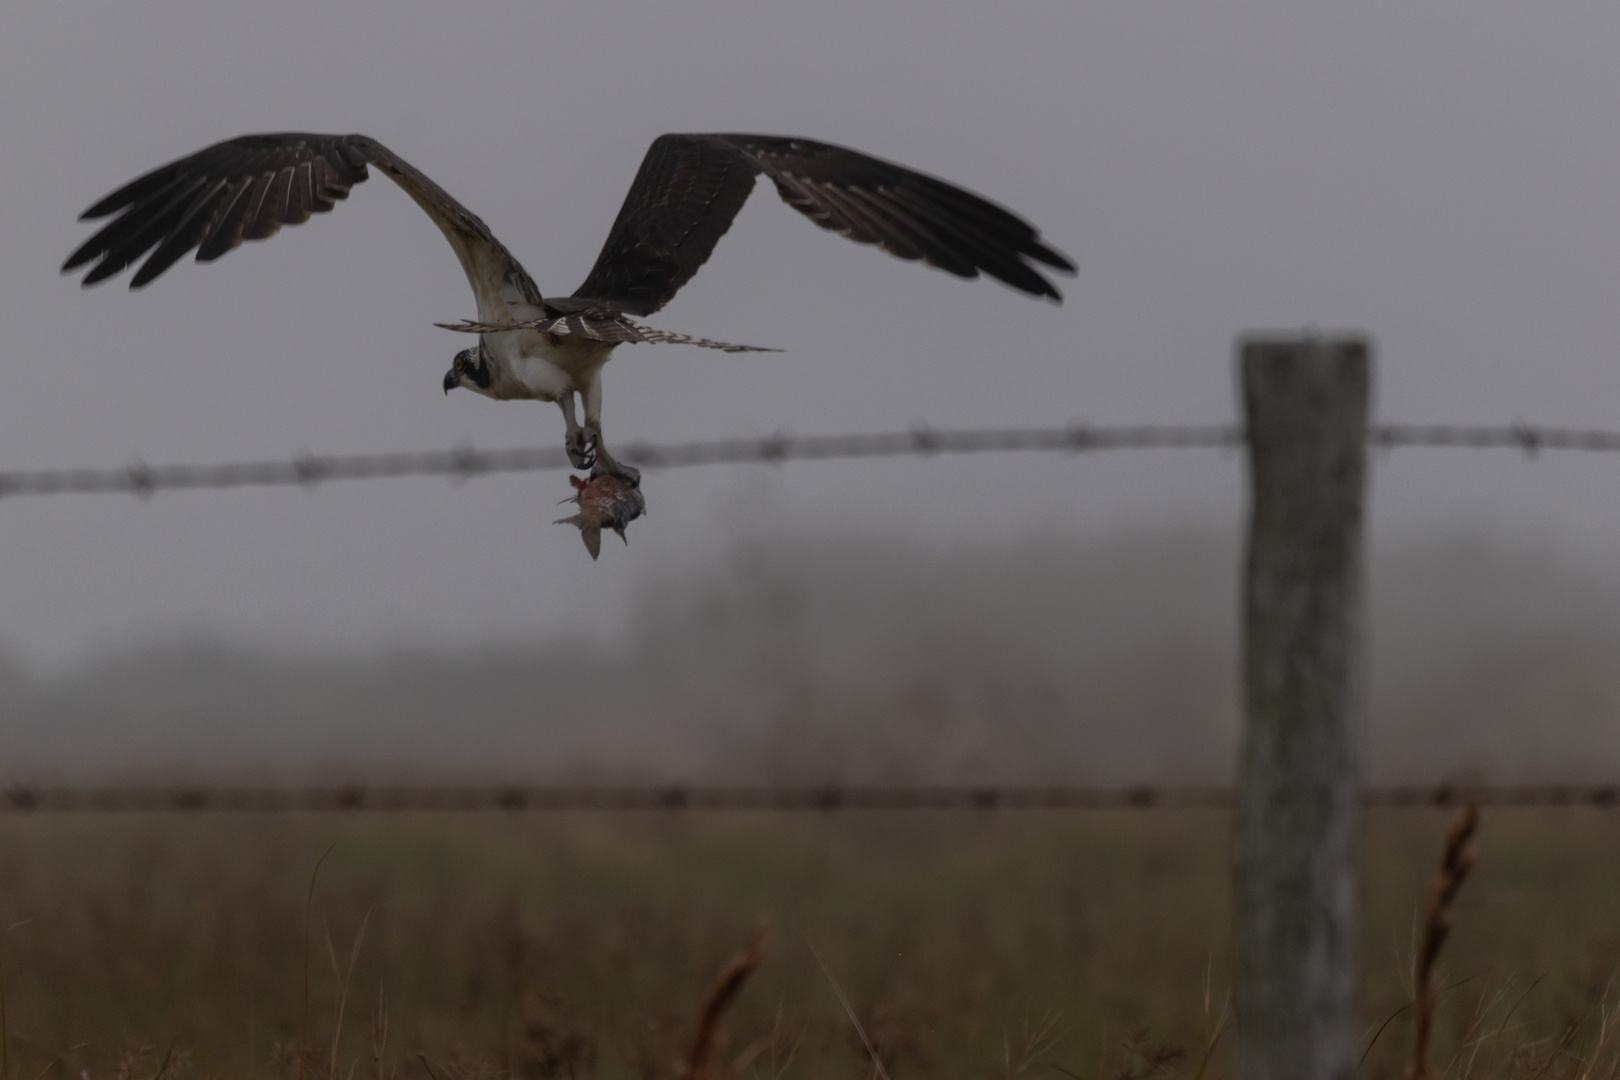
86 252
1052 257
101 272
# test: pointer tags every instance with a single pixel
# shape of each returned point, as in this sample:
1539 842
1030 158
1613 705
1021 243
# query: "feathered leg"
605 462
579 442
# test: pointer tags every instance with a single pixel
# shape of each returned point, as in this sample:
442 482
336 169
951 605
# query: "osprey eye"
458 363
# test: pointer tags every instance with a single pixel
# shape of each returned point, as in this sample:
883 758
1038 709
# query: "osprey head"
470 369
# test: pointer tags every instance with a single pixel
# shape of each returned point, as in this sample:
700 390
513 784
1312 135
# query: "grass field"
570 945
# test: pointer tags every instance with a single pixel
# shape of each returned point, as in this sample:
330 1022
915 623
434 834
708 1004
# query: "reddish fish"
605 502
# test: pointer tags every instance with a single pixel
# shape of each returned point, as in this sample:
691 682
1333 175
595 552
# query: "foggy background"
867 659
1446 179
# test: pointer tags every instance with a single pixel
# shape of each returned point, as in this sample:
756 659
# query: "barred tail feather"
618 329
649 333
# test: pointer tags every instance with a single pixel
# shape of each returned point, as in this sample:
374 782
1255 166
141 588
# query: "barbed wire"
353 798
1523 437
465 463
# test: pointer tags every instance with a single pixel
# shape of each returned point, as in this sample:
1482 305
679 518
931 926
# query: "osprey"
684 197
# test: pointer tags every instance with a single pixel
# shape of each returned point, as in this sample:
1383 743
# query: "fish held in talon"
605 502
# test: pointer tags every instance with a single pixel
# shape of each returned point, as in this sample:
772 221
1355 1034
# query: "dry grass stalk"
855 1021
1438 906
379 1034
168 1059
303 1022
724 992
772 1042
1035 1041
343 975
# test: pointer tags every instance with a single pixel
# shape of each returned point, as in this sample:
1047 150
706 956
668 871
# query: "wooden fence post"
1297 825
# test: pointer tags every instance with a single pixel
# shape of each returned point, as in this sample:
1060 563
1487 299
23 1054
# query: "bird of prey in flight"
684 197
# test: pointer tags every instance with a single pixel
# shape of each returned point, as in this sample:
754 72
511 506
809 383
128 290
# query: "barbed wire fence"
1298 793
355 798
465 463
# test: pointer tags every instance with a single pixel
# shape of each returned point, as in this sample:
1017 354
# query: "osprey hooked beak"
452 379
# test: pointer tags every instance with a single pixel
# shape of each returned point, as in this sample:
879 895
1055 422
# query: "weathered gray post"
1294 891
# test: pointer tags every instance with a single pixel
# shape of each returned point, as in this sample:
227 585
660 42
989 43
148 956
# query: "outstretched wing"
247 188
690 187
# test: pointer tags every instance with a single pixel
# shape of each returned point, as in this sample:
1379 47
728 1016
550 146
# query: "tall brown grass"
600 946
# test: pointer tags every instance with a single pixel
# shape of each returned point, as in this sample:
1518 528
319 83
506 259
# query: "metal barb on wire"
464 462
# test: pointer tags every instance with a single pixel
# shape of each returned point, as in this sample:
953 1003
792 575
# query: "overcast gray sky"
1444 176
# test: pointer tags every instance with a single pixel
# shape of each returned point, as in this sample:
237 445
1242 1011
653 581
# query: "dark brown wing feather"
684 197
690 187
247 188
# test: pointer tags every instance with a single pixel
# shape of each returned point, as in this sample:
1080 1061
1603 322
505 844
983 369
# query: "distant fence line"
353 799
466 462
